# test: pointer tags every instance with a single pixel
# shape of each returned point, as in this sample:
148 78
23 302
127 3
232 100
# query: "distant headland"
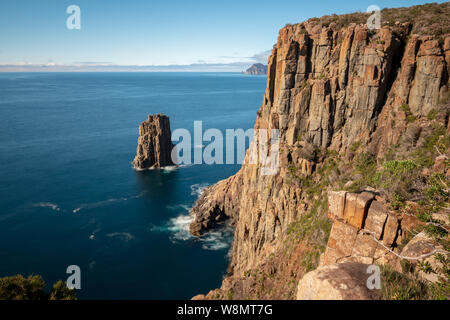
256 69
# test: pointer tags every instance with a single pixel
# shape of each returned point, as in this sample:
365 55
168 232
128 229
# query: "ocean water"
69 194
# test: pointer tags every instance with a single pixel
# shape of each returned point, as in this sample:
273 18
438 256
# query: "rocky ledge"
154 143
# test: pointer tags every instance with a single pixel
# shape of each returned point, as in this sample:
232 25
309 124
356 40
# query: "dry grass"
429 19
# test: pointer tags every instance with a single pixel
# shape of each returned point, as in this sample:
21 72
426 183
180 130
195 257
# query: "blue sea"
69 194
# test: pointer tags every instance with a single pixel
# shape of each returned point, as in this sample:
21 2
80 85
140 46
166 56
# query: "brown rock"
421 245
390 230
216 204
447 53
336 204
364 246
356 208
331 256
385 257
410 223
440 164
376 218
344 281
342 238
359 259
443 216
154 143
424 94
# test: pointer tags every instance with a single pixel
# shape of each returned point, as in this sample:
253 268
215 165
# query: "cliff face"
154 143
329 91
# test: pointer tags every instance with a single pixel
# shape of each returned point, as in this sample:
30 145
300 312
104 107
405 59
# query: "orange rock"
376 218
356 208
342 237
331 256
390 230
410 223
344 281
364 247
439 164
336 204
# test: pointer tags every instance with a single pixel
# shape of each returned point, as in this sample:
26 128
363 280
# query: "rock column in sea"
154 143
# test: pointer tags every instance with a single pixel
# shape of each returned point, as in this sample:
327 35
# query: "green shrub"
311 260
397 177
230 294
435 231
432 114
32 288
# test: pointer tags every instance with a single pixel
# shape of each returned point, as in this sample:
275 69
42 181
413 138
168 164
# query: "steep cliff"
154 143
346 100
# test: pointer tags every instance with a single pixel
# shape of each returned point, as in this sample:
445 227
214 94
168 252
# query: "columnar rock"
358 220
329 86
154 143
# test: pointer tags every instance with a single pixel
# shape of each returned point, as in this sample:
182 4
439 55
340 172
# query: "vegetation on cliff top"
428 19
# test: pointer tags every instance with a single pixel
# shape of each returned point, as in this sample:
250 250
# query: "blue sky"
148 32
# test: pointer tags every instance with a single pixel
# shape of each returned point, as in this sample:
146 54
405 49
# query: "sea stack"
154 143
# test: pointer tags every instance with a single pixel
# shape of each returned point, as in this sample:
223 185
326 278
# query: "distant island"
256 69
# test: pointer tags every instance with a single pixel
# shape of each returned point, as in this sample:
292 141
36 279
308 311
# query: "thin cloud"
239 64
262 57
196 67
95 63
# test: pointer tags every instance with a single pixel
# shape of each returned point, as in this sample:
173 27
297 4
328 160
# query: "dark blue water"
69 195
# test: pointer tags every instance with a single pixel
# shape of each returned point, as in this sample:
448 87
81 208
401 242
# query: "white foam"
124 236
220 239
92 236
105 202
50 205
197 189
169 169
164 169
183 207
179 226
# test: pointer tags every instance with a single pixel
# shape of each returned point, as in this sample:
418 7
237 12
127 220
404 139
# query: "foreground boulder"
423 245
345 281
154 143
